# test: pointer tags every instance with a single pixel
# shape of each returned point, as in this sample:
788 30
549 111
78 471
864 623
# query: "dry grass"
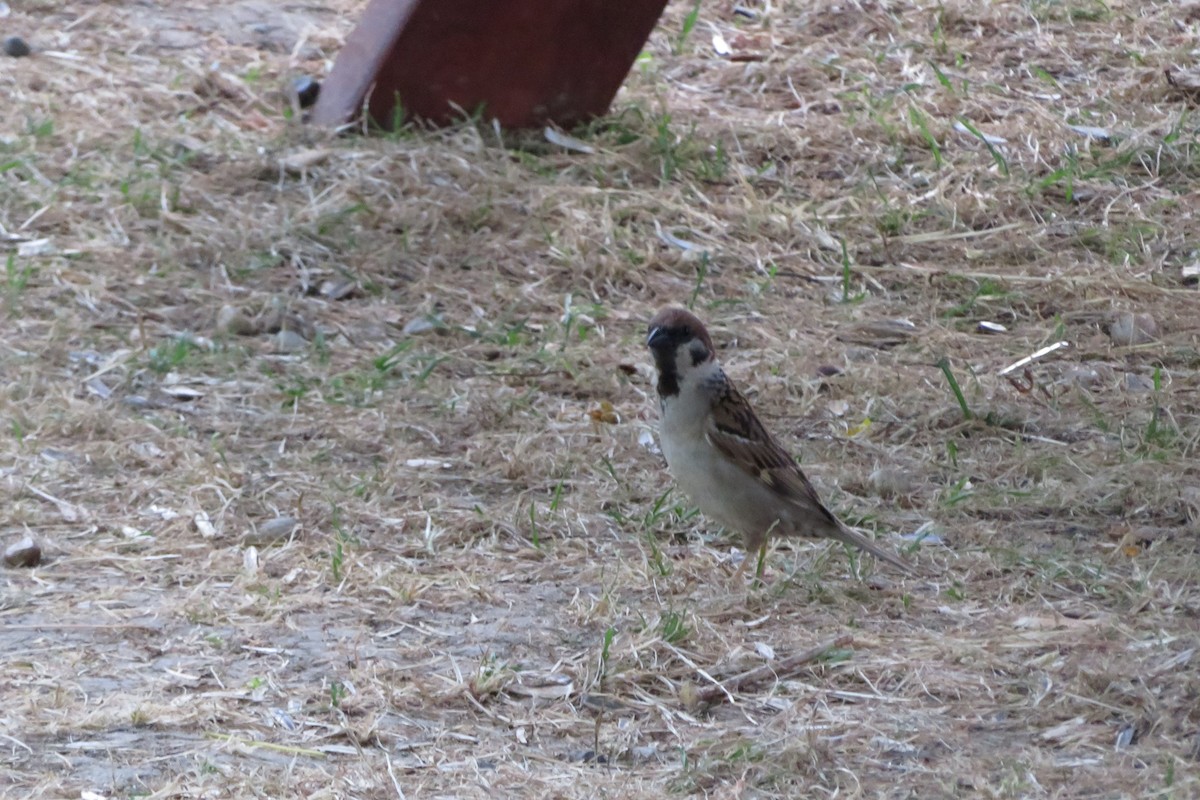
486 593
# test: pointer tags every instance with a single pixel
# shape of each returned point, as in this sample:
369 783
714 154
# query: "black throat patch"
668 377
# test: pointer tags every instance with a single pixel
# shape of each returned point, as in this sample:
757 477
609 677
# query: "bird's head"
680 346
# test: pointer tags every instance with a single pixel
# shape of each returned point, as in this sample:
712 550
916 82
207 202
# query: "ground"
340 448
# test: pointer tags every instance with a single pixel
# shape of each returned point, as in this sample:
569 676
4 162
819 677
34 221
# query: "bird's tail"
844 534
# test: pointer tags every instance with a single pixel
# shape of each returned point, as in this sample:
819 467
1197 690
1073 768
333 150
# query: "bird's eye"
686 330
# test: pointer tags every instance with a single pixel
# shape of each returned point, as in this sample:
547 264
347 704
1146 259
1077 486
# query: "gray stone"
16 47
1128 329
23 553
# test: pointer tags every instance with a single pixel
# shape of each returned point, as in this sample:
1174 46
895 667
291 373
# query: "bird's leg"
758 545
760 561
737 576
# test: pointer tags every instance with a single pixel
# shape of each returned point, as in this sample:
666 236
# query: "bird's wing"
735 430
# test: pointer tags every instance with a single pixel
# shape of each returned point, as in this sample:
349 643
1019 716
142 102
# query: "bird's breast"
720 489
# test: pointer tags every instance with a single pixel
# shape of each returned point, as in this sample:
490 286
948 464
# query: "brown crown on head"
677 320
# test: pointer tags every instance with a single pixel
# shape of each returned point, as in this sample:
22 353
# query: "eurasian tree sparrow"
722 456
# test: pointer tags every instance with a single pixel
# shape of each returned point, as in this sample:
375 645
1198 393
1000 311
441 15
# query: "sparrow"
721 455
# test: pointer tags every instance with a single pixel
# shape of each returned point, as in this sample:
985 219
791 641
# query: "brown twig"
778 671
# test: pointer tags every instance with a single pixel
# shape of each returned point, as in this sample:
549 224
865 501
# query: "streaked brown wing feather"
736 431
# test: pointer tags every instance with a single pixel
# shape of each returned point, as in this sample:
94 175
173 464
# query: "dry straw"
424 350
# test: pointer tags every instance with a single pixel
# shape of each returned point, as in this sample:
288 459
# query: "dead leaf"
604 414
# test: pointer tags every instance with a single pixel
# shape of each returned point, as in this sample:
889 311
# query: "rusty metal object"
521 62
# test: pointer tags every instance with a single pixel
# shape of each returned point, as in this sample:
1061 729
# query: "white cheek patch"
683 362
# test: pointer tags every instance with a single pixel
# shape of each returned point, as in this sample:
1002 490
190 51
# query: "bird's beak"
655 335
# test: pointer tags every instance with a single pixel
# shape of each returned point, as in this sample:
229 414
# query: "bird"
722 456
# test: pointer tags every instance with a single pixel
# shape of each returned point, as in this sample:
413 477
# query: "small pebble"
338 290
23 553
880 582
300 162
1125 737
1084 376
16 47
1138 384
270 532
283 719
188 145
1128 328
307 90
418 326
99 388
270 320
288 341
889 482
231 320
250 561
991 327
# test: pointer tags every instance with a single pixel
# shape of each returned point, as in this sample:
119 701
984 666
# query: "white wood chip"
567 142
